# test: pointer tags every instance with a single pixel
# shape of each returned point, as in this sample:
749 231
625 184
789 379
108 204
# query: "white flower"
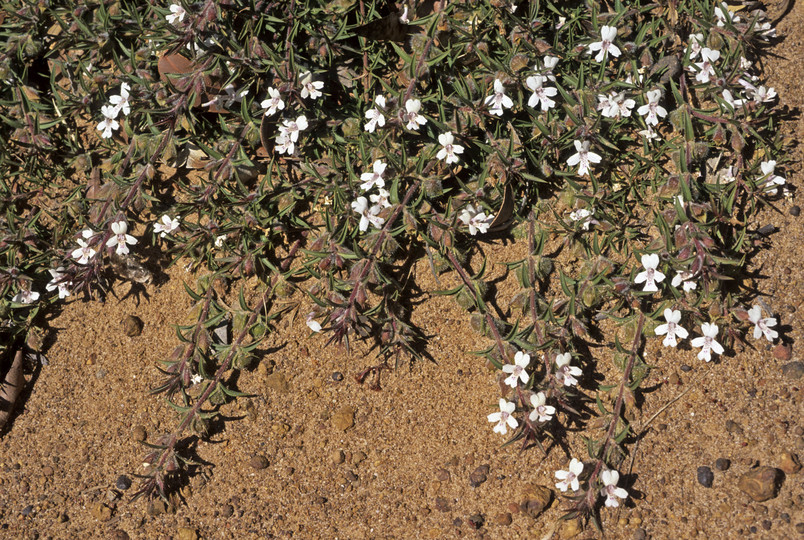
671 328
615 105
549 62
769 178
196 379
583 157
380 200
733 103
84 253
284 144
57 283
120 238
109 124
310 88
650 276
729 175
375 116
414 119
26 297
607 35
707 342
610 489
541 94
498 100
696 43
762 326
565 373
367 215
649 134
540 412
121 102
177 14
517 369
167 226
291 128
722 15
684 278
232 96
570 478
448 149
314 325
765 31
219 240
503 418
476 221
371 179
760 94
652 109
745 63
706 68
585 217
273 104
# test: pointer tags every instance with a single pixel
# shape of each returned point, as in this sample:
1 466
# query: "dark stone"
28 510
705 476
476 521
640 534
337 376
123 482
228 510
795 211
479 476
766 524
722 464
793 370
685 368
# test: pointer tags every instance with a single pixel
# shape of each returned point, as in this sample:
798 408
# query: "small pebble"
258 462
443 475
800 528
47 470
640 534
337 376
138 433
478 476
674 379
503 519
337 457
793 370
28 510
685 368
795 211
705 476
722 464
789 463
733 427
766 524
476 521
132 326
228 511
442 504
123 482
784 516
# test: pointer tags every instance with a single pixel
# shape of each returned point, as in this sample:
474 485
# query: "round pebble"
705 476
685 368
258 462
337 376
640 534
795 211
722 464
138 433
132 326
123 482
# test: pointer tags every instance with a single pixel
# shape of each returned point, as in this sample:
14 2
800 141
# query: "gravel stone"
123 482
722 464
132 326
761 484
258 462
793 370
478 476
705 476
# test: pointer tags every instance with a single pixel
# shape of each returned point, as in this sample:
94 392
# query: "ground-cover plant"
325 147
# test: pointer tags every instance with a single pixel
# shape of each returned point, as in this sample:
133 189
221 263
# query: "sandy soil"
403 469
